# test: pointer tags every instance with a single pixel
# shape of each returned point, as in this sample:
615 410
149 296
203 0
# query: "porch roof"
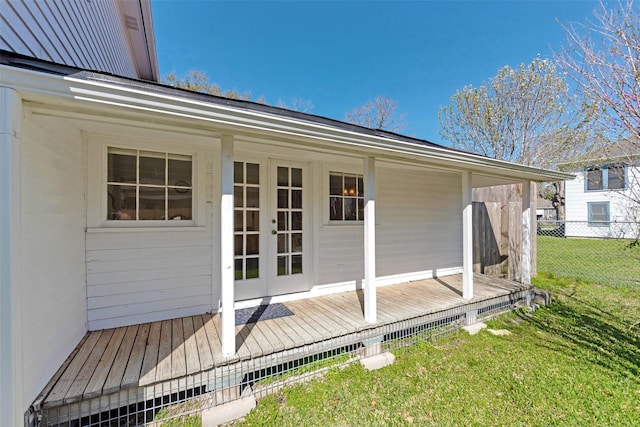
46 82
112 360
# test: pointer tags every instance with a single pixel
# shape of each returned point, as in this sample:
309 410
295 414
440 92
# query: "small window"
346 197
608 177
598 214
616 175
149 186
594 178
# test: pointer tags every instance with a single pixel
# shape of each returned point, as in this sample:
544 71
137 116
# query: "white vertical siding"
53 278
73 32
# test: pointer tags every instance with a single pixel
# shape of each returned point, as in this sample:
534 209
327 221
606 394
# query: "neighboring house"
603 200
124 201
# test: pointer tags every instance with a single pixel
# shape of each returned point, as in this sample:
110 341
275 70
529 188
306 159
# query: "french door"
270 228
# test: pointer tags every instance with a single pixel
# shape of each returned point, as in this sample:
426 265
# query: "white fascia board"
256 122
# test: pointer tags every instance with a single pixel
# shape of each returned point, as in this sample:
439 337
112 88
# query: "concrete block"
378 361
475 328
228 412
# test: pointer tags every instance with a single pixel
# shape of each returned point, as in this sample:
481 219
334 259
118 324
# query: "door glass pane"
296 220
283 246
151 203
296 177
296 242
253 220
238 246
253 197
283 198
296 199
296 264
283 176
238 172
238 196
238 269
253 244
237 221
253 270
282 221
253 173
283 265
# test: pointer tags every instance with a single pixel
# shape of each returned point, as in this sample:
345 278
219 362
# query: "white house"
603 200
124 201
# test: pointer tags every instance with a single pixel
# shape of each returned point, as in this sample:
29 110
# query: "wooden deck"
112 360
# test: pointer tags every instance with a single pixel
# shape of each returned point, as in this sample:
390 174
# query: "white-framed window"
607 177
145 185
346 197
598 214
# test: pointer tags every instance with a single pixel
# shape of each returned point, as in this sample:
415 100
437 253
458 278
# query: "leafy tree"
381 113
523 114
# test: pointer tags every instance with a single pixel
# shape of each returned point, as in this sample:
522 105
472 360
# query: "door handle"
274 232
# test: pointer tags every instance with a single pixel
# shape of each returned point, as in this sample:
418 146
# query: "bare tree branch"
378 114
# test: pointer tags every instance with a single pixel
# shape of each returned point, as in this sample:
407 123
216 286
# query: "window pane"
283 176
616 177
122 166
335 185
179 200
253 197
253 173
335 208
180 173
296 199
283 198
283 265
253 270
350 209
296 220
599 213
122 202
296 177
238 221
361 209
238 269
594 179
238 196
253 221
238 245
238 175
296 242
152 168
296 264
253 244
360 187
349 185
151 203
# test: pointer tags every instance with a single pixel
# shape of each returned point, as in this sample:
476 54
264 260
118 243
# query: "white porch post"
11 392
226 248
370 240
525 263
467 236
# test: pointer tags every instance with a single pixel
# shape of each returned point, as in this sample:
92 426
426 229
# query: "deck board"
117 359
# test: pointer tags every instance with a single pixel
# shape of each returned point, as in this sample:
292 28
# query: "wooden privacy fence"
497 231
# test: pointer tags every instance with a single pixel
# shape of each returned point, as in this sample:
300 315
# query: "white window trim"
326 188
97 205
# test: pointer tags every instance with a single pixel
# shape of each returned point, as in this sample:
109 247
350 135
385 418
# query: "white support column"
525 262
12 390
370 303
467 236
226 248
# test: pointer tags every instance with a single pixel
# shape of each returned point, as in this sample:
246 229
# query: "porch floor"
111 360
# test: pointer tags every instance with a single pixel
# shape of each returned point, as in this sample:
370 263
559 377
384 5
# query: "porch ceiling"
111 360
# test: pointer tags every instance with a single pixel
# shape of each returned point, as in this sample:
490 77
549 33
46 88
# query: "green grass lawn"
605 261
574 363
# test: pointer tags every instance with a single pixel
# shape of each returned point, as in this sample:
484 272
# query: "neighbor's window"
346 197
608 177
149 185
598 214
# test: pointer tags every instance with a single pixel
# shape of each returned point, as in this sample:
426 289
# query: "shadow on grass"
592 334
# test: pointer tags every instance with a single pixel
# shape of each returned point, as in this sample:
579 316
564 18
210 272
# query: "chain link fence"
606 253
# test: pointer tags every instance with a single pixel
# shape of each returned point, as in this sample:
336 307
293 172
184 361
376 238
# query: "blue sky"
340 54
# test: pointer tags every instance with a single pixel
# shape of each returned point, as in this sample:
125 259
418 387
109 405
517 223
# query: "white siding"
620 208
53 222
73 32
418 230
